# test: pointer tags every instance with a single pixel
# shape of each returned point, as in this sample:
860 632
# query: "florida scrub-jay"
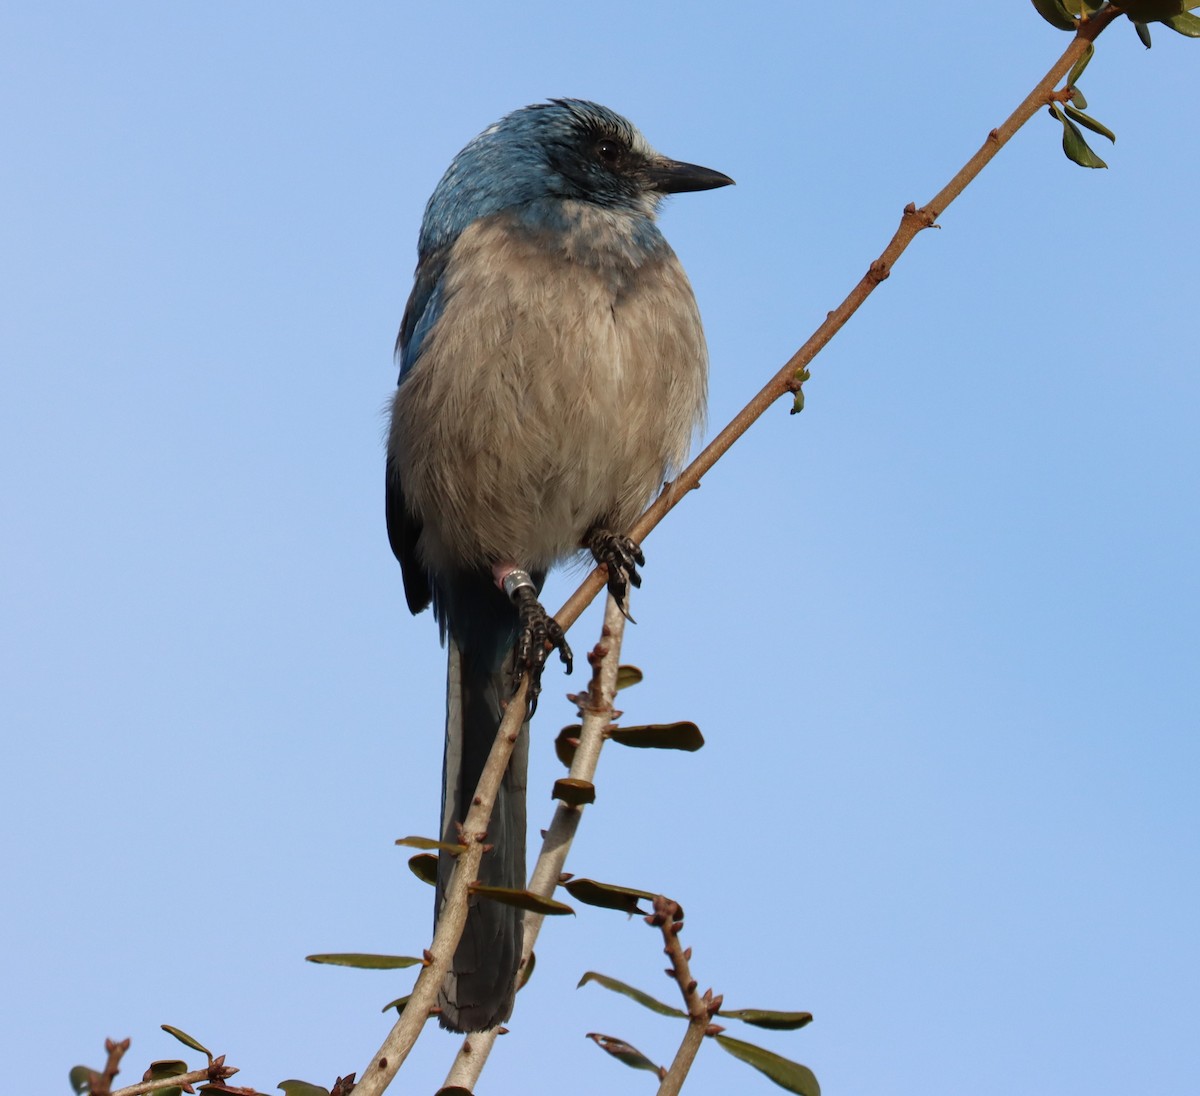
552 373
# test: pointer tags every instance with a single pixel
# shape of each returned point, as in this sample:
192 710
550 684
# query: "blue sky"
940 630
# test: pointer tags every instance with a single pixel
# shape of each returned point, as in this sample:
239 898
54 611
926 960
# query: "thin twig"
215 1072
471 1057
101 1083
701 1007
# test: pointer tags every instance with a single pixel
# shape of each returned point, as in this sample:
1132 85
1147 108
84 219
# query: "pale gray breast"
552 394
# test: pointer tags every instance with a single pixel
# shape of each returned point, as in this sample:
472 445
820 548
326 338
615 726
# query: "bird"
553 372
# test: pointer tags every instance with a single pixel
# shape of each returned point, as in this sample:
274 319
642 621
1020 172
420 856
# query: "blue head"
566 148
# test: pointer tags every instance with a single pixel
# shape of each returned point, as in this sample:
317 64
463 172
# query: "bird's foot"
538 635
622 556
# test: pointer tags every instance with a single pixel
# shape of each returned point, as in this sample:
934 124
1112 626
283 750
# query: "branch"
596 712
100 1084
791 375
407 1029
700 1007
214 1073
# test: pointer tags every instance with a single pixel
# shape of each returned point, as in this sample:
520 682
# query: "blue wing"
421 313
423 308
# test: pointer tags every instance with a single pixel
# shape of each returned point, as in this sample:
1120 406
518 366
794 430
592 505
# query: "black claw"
540 633
622 556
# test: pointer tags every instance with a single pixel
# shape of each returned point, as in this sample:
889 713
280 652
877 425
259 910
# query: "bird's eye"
609 151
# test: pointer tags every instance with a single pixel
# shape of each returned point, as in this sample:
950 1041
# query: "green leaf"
655 736
302 1088
161 1071
643 999
802 377
628 676
1185 24
398 1004
1143 32
625 1053
574 793
610 896
1078 99
81 1079
567 743
767 1018
1090 123
1075 147
660 736
1055 14
365 961
785 1073
522 899
424 866
430 843
187 1040
1080 65
1150 11
606 895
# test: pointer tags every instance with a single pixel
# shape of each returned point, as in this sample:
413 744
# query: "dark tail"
477 993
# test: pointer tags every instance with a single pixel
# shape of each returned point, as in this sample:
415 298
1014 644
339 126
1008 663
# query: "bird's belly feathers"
551 395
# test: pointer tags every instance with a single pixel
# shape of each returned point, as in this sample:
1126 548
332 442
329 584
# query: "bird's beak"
674 177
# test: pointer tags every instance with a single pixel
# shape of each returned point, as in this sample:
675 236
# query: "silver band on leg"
515 581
